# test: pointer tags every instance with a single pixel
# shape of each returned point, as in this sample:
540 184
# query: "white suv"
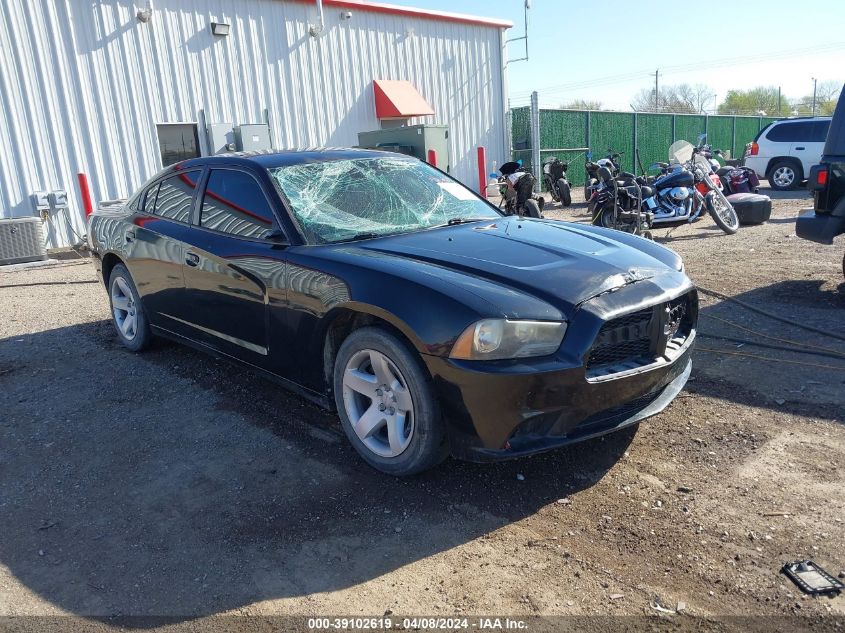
784 151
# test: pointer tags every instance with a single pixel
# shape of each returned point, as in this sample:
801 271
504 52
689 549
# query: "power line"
716 63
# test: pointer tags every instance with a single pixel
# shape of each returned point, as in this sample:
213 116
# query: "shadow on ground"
171 483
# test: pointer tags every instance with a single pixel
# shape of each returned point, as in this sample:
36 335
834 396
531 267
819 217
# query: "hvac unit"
21 240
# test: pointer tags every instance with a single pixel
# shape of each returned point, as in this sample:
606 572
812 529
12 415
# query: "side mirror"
277 236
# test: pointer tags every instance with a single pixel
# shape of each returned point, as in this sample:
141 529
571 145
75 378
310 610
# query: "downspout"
316 29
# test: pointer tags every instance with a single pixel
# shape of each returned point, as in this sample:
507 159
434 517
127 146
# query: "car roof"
269 159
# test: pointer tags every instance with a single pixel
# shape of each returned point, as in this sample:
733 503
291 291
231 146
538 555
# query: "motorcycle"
618 203
592 181
516 187
686 187
554 173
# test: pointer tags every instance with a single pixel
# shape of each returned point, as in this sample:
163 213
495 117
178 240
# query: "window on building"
175 197
235 203
177 141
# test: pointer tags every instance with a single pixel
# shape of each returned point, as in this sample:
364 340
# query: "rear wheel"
604 217
128 314
386 404
722 212
784 175
564 192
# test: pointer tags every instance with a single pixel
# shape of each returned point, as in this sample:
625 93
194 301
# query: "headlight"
497 339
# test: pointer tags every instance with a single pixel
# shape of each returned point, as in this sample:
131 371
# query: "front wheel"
564 192
722 212
386 404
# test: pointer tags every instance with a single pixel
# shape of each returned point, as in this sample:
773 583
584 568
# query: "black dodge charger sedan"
375 284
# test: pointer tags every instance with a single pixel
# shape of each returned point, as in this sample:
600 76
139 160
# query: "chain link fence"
568 133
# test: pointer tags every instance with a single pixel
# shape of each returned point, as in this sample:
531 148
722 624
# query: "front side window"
177 142
175 197
235 203
342 200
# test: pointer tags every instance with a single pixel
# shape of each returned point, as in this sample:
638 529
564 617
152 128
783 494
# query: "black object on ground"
811 578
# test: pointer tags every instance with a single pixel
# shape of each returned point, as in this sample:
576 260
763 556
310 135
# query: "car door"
154 246
234 266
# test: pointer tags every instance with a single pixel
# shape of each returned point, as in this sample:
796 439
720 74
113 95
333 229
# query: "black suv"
827 181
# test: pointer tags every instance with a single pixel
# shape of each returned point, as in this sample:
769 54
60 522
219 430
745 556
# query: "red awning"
399 100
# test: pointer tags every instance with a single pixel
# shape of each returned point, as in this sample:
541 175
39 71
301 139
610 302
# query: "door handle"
799 148
192 259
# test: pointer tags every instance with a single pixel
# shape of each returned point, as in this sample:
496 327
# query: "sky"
745 44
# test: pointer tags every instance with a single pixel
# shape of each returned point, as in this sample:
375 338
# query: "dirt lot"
171 483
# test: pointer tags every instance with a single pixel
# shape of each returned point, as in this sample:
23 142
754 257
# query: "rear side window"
820 130
175 197
792 132
235 203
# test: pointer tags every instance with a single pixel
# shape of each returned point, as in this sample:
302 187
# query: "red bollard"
482 172
432 158
85 191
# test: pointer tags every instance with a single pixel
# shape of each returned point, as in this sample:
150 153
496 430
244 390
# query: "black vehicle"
826 219
618 203
374 284
554 173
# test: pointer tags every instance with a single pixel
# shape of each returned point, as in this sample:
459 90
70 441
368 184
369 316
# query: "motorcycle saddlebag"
751 208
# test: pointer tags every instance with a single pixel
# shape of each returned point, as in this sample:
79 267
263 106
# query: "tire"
128 315
603 217
564 192
531 209
552 189
408 400
722 212
785 175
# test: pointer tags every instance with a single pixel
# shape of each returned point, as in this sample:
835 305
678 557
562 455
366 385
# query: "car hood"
561 263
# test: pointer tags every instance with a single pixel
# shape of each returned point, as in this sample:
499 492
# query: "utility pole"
814 94
778 100
656 107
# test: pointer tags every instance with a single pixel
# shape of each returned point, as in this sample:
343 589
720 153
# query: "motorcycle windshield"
680 152
703 164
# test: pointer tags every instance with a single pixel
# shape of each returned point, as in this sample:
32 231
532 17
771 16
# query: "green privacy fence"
626 132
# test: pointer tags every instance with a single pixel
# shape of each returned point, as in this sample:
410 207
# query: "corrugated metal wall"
83 85
600 131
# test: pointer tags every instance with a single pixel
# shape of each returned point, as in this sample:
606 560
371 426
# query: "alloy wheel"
124 308
378 403
783 176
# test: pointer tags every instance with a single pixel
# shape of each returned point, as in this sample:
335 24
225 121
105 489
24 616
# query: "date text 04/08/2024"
417 623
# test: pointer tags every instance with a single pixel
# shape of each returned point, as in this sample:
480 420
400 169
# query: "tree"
582 104
680 99
827 95
763 99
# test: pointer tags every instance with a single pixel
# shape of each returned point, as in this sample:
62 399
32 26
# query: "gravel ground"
171 483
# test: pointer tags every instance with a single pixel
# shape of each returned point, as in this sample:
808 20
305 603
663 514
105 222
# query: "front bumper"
501 410
821 228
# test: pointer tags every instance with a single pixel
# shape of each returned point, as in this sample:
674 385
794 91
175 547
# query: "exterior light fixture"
220 29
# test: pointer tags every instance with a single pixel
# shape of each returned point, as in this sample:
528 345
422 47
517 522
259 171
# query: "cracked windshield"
345 200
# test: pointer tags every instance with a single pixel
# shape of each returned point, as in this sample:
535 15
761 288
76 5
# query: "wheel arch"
786 159
341 321
109 261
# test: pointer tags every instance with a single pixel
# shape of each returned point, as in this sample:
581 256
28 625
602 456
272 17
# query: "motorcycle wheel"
604 217
588 188
564 192
552 189
531 209
722 212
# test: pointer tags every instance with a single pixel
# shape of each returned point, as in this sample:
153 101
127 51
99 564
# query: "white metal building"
97 87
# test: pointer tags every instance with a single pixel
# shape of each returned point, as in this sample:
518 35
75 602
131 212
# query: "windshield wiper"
363 236
456 221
